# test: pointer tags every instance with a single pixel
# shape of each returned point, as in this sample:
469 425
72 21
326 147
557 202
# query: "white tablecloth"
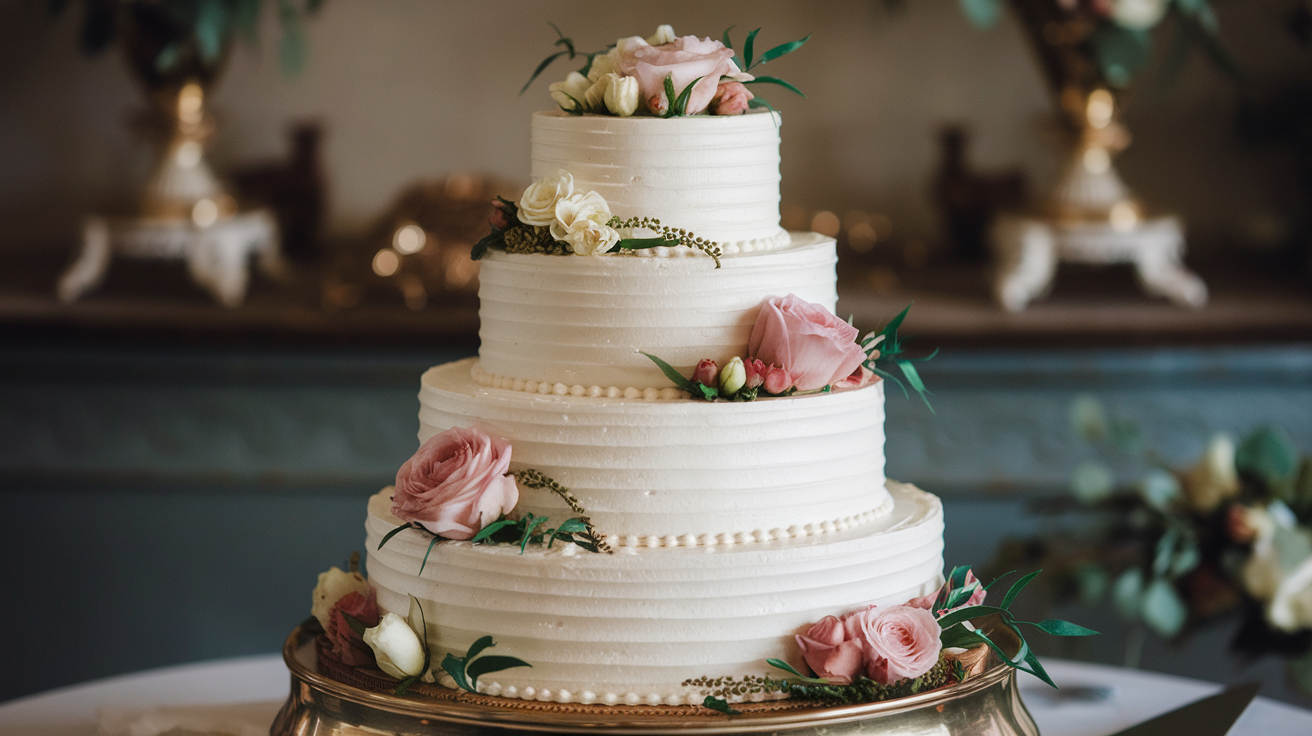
254 688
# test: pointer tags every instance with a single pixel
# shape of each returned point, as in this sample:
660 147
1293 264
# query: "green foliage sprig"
466 670
750 63
669 236
700 390
883 350
861 690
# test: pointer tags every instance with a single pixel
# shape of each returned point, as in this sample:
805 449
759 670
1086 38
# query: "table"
261 683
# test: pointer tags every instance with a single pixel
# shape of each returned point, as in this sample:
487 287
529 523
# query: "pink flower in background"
898 641
756 371
687 59
808 341
456 483
706 371
731 98
777 380
345 643
829 652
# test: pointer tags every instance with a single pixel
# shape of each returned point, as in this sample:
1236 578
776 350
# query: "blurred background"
216 299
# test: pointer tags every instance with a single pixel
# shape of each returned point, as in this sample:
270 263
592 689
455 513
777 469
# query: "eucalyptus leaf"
1016 588
711 702
1057 627
970 613
491 663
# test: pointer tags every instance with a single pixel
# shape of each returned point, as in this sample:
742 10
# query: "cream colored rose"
663 34
594 100
538 205
592 239
623 96
1291 606
574 211
603 64
396 646
1213 479
569 93
1139 15
332 587
1262 571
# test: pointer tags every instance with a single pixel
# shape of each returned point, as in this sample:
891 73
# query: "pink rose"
686 58
456 484
927 601
348 646
706 371
777 380
828 651
899 642
805 339
860 378
731 98
755 370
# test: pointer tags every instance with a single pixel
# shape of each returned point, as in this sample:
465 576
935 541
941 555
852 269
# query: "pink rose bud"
456 483
348 646
706 372
860 378
805 339
658 104
777 380
731 98
499 218
756 371
828 651
899 642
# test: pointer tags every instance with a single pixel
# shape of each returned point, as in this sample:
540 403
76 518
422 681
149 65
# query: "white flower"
332 587
1139 15
591 239
594 100
663 34
603 64
1291 606
574 211
1262 571
623 96
1213 479
538 205
396 647
569 93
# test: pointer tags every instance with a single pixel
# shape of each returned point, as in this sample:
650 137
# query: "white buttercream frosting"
716 176
660 469
632 626
573 320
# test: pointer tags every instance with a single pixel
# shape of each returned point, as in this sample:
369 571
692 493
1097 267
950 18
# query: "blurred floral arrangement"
1182 547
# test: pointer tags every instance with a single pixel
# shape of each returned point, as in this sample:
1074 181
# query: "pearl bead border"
547 388
755 245
756 536
588 697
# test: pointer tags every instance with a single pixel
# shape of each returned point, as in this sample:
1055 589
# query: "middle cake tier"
679 473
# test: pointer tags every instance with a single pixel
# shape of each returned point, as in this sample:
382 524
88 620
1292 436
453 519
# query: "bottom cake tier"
631 627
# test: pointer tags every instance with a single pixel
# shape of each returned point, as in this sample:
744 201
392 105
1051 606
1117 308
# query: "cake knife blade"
1211 716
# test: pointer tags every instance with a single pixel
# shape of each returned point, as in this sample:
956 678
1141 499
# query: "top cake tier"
715 176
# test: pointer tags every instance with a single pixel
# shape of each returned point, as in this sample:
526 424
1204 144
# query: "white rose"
1262 572
664 34
1291 607
1139 15
603 64
332 587
591 239
569 93
1213 479
623 96
538 205
396 647
576 210
594 100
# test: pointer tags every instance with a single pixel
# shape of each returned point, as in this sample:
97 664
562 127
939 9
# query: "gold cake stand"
985 705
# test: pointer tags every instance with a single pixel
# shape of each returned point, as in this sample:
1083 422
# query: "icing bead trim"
670 541
756 245
546 388
588 697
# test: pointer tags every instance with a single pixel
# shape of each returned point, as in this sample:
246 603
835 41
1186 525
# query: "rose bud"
733 377
777 380
396 646
499 219
731 98
756 371
332 587
705 372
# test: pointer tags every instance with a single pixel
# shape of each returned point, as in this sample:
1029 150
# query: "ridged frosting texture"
717 176
682 469
580 320
630 627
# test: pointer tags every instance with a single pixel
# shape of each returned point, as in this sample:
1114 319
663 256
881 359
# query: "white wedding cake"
729 524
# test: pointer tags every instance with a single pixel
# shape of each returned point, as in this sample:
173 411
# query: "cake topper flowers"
552 217
664 75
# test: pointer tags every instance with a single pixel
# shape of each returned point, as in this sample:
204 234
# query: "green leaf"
680 106
493 528
961 615
541 68
1057 627
1016 588
496 237
1036 669
1163 609
778 81
643 243
531 523
747 49
669 94
707 392
673 375
719 705
431 545
982 13
780 664
1271 456
484 665
913 378
403 686
781 50
455 667
572 526
354 623
724 38
757 103
1164 551
387 537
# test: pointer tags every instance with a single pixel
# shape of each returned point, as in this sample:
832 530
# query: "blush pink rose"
706 372
899 642
348 646
686 58
456 484
731 98
860 378
777 380
756 371
828 651
805 339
